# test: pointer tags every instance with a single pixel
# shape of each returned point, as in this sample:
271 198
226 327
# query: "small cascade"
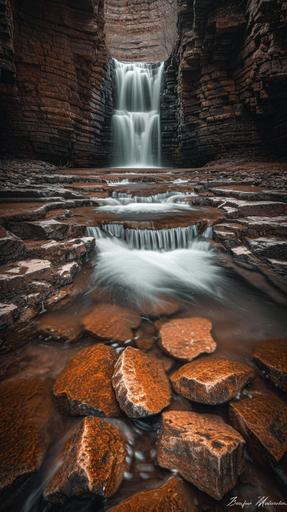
126 198
136 118
148 239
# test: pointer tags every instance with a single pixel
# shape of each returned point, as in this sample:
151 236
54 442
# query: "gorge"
143 255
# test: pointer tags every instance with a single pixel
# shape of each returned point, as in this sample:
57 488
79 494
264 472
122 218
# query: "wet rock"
187 338
58 251
19 275
111 322
140 383
46 229
66 273
93 462
262 420
271 359
203 449
8 312
211 381
58 328
27 424
11 247
84 387
169 497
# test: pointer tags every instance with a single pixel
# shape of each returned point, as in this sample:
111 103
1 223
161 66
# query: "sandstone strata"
93 462
27 425
187 338
111 322
140 384
211 381
84 387
262 421
169 497
271 359
203 449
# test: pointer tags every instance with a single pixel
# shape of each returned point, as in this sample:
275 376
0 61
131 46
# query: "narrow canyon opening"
143 255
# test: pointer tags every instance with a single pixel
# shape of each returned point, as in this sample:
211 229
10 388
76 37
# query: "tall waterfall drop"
136 119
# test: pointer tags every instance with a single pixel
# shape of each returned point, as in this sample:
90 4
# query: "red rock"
169 497
140 383
111 322
58 328
84 387
262 420
211 381
271 359
27 423
8 313
186 338
203 449
93 462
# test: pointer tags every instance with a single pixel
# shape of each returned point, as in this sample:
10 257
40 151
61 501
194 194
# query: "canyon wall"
140 30
225 84
231 91
55 85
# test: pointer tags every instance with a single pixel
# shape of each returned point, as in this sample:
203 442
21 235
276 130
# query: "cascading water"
136 119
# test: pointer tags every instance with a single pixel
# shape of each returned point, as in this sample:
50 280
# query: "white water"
150 276
148 239
126 198
136 119
135 209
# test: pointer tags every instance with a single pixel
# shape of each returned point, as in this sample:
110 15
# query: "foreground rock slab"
203 449
141 385
93 462
262 420
271 359
111 322
211 381
27 424
187 338
169 497
84 387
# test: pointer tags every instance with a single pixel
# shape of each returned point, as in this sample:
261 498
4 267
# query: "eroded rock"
11 247
211 381
262 420
140 383
169 497
27 423
111 322
187 338
93 462
46 229
84 387
271 358
203 449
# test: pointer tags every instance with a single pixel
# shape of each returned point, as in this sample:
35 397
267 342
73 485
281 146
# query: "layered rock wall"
232 80
140 30
55 81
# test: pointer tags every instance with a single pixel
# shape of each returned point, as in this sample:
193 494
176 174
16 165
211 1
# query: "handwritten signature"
262 501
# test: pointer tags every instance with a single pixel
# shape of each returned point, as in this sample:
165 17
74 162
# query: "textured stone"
84 387
262 420
169 497
8 312
203 449
27 423
93 462
140 384
47 229
271 359
211 381
187 338
11 247
111 322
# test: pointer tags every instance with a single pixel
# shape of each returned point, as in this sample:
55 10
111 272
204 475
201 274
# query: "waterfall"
149 239
136 118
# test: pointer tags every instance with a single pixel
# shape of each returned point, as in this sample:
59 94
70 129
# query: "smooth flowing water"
136 118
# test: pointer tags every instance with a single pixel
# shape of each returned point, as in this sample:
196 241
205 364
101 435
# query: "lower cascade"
136 118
